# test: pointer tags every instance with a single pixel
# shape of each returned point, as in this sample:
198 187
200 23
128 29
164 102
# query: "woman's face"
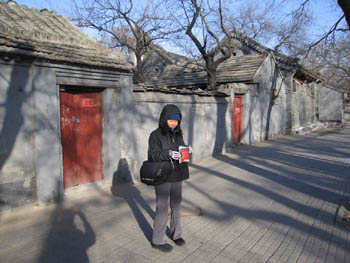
172 123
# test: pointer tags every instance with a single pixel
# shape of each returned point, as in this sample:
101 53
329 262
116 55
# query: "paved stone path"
272 202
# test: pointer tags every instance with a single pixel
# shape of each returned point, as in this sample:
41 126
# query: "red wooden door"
237 119
81 136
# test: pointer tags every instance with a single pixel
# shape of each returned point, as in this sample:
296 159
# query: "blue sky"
62 7
326 11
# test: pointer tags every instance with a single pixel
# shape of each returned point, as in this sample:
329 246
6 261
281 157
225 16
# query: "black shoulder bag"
154 173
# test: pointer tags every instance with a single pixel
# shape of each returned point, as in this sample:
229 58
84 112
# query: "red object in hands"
185 154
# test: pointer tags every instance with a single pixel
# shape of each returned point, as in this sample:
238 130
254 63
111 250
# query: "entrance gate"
81 135
237 119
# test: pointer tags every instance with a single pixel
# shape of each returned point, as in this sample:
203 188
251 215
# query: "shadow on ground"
69 237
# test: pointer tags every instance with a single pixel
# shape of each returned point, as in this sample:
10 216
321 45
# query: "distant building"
310 102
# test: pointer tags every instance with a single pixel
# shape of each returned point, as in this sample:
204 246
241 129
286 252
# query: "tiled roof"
235 69
251 43
307 75
284 59
45 35
170 58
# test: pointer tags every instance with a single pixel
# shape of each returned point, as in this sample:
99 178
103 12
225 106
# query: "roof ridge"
250 42
235 69
51 34
41 33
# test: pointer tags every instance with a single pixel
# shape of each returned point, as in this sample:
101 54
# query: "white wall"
303 106
330 104
206 124
261 118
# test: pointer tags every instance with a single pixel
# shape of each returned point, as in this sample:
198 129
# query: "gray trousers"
163 192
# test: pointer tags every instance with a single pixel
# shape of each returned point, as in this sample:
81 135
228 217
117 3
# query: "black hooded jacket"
164 139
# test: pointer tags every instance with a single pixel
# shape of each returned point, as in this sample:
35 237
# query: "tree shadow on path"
123 186
319 225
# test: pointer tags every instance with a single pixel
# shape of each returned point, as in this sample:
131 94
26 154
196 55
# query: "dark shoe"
179 242
163 248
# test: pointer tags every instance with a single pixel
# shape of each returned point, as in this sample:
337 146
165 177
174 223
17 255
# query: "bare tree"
253 19
268 23
332 60
289 33
329 54
338 26
207 24
286 31
125 23
211 27
203 22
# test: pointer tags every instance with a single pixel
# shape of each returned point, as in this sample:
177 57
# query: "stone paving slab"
272 202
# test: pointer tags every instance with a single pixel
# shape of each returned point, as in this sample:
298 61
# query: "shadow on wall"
191 119
270 99
13 118
121 176
123 186
139 120
221 135
18 93
69 238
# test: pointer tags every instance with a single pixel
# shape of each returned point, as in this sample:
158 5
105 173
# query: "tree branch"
192 36
325 36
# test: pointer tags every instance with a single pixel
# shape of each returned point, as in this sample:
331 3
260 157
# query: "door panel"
68 138
81 135
89 139
237 119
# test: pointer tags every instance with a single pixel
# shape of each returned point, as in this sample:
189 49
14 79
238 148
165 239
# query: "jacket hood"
167 111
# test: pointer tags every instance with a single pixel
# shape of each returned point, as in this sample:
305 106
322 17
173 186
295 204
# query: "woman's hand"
175 155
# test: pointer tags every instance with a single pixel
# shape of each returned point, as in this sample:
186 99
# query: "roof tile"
235 69
46 35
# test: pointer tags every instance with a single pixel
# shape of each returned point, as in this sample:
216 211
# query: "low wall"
206 124
264 104
330 104
303 108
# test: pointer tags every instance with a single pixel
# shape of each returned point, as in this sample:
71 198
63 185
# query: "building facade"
61 94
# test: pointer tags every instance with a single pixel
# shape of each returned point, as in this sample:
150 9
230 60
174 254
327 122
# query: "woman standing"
164 145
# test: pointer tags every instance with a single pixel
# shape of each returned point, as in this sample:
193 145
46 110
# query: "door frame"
78 88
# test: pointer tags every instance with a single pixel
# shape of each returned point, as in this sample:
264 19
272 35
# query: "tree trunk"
138 74
211 80
345 5
211 73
